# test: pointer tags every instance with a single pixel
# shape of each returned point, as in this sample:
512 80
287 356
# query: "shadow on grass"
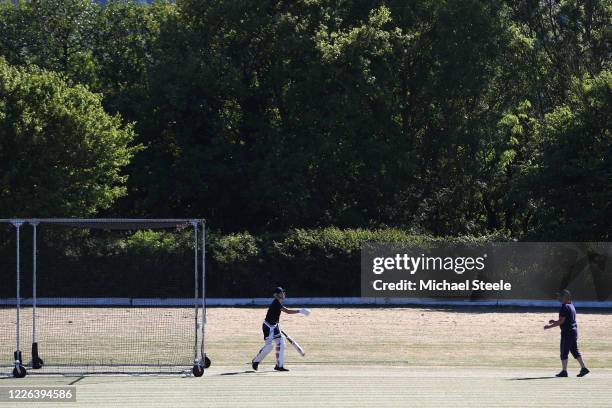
77 380
239 372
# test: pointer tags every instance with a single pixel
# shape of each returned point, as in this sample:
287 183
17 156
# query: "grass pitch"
372 357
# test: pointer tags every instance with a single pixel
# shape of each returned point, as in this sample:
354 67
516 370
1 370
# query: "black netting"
7 291
112 295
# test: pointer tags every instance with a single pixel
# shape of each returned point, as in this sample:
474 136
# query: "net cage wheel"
37 363
19 371
197 370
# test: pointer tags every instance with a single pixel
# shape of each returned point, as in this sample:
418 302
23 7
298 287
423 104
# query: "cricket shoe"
255 365
277 368
562 374
584 371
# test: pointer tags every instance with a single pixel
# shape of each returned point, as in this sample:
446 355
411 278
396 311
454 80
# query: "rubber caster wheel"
37 363
197 371
207 362
19 371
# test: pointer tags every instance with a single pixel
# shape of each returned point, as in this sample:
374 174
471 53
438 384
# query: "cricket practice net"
102 296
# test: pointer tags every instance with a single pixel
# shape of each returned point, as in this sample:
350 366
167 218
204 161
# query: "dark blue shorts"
266 331
569 344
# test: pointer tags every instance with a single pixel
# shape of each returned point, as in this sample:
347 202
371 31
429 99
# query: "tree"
440 116
61 154
55 35
573 178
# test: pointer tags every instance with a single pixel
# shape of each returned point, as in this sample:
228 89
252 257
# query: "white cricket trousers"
272 333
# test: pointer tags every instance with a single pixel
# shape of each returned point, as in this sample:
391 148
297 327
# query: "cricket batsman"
272 331
569 333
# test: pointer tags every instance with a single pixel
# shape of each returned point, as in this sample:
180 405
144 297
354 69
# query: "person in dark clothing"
569 333
272 331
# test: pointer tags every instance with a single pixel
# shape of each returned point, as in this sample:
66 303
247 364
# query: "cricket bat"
294 344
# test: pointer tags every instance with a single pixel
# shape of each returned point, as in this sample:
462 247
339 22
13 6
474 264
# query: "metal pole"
18 225
196 306
34 225
202 351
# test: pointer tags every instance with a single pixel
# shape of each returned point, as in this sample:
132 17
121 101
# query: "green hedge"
314 262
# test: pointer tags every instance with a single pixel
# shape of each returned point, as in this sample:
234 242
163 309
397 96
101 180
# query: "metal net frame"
28 324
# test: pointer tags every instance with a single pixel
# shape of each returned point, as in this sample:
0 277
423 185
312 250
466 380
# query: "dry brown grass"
412 336
336 336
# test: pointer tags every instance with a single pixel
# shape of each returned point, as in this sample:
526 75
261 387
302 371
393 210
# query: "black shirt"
568 311
274 312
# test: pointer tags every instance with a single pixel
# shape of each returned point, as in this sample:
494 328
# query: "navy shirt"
274 312
569 312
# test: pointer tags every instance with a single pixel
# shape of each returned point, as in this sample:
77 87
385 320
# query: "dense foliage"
309 262
60 152
434 116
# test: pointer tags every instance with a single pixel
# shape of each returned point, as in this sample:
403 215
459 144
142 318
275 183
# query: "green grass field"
369 357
